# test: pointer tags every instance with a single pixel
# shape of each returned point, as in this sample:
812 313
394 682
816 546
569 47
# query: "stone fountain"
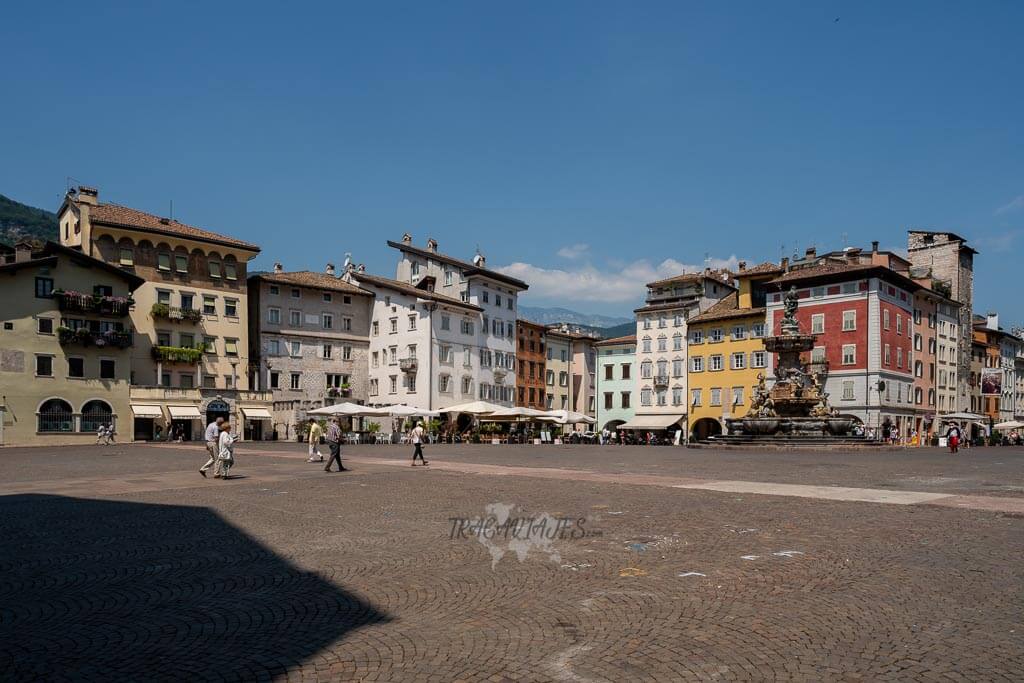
797 404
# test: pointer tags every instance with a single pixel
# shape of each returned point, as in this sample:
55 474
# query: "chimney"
852 254
278 268
742 265
406 238
22 252
811 253
88 195
874 247
330 269
432 245
361 268
784 264
993 321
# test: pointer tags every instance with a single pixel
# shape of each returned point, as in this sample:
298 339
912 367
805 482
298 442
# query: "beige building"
190 361
570 370
309 343
65 347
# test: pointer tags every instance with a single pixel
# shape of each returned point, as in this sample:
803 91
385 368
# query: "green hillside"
18 221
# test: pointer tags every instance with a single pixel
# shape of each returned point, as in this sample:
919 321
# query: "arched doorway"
217 408
706 427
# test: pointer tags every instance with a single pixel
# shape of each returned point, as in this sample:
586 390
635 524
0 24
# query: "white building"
661 344
442 332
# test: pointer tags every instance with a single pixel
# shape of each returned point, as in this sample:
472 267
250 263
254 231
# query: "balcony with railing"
175 314
408 365
82 302
177 354
661 380
120 339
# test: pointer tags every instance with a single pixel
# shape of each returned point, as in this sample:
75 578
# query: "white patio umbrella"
349 410
956 417
473 408
568 417
1012 424
515 413
402 410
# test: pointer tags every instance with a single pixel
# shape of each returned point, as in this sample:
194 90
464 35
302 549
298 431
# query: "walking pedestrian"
315 432
226 452
953 438
110 434
101 434
334 444
212 438
416 436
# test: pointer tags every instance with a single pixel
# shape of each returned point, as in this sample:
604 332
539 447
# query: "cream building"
65 347
190 361
661 345
310 342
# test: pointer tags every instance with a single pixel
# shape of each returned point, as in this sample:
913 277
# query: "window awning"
185 412
141 410
256 414
652 421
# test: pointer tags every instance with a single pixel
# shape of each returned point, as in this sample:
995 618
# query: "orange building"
530 357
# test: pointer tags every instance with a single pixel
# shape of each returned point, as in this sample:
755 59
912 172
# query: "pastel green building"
616 370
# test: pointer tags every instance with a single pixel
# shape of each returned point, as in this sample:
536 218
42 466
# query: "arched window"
55 416
662 343
96 414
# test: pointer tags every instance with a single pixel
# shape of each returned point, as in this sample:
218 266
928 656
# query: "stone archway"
706 427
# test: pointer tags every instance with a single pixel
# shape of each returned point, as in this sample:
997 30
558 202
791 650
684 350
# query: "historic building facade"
310 342
65 347
190 359
531 352
948 258
616 363
661 331
726 353
862 313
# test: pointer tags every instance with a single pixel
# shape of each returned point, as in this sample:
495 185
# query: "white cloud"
626 283
1015 204
999 242
574 251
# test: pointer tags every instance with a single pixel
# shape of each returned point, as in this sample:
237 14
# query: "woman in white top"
226 445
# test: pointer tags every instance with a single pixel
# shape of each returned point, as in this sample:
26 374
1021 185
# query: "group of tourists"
417 435
105 435
220 445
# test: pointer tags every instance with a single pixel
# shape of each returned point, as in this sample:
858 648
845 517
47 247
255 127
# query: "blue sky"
586 146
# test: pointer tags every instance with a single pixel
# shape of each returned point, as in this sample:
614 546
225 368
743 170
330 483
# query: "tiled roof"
406 288
122 216
766 268
467 267
628 339
677 279
725 309
308 278
834 271
668 306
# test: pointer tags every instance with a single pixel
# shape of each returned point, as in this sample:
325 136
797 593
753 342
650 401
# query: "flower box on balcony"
177 354
175 314
115 306
120 339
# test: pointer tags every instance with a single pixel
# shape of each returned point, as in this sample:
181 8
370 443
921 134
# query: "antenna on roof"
172 210
844 240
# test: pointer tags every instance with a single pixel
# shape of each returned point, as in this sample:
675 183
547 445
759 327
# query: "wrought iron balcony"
408 365
661 380
120 339
177 354
81 302
173 313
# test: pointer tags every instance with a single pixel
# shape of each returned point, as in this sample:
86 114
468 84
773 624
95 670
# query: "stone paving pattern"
123 563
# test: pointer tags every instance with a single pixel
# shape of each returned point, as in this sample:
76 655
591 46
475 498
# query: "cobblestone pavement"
124 563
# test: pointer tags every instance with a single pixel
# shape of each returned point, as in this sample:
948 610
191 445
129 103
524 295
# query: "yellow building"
65 347
725 346
190 362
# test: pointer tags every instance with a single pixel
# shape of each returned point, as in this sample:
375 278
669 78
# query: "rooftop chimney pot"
330 269
993 321
278 268
874 246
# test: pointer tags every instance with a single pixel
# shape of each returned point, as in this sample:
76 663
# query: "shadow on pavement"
93 589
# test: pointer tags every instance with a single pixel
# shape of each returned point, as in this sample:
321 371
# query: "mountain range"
549 316
19 221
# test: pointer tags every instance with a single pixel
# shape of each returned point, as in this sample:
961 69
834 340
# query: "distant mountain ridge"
550 316
20 221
